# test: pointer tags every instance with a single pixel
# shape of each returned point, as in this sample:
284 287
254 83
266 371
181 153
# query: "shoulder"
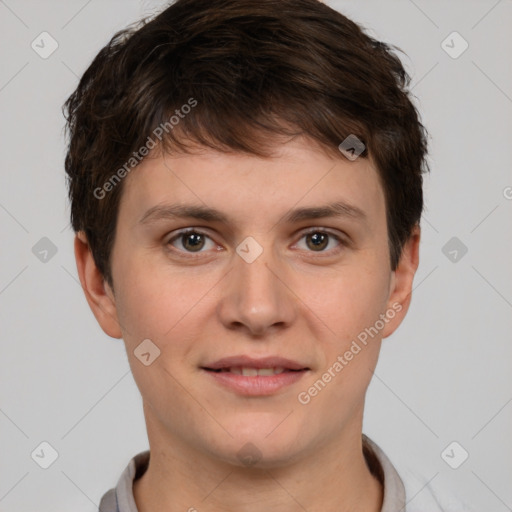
109 502
410 490
120 499
426 494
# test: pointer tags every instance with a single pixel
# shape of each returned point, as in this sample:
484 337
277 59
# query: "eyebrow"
205 213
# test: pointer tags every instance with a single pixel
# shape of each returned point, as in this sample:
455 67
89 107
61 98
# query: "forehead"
235 187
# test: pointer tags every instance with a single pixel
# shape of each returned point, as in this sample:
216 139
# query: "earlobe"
97 292
401 282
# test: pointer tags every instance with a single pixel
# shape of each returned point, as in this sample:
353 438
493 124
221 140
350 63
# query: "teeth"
253 372
266 371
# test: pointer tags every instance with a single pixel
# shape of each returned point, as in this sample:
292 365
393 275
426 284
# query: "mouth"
275 363
250 371
255 377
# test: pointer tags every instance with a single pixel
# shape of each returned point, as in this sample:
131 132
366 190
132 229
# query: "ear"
401 283
98 293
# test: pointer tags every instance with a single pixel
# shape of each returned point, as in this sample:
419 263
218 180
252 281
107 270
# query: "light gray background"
444 376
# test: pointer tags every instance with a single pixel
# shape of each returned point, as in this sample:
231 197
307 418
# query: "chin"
263 446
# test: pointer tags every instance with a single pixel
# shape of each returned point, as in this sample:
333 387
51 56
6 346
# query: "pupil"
318 240
195 238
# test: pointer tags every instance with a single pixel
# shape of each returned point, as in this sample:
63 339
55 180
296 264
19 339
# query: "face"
267 304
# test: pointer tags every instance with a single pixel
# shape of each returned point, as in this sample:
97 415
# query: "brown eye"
190 241
318 241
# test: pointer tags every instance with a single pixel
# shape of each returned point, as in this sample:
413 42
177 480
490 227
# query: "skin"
296 300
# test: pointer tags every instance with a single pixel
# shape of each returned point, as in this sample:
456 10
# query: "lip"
259 385
250 362
256 386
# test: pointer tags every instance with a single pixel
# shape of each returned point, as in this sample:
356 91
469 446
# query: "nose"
256 297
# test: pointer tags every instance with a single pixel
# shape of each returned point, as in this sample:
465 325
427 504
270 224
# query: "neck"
334 476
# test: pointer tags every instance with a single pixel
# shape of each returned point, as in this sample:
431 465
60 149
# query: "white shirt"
398 496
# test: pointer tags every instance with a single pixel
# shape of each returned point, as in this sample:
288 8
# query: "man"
246 188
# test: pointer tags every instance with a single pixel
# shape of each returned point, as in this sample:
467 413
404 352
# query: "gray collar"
381 467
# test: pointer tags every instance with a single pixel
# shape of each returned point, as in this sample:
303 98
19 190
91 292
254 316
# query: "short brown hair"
255 70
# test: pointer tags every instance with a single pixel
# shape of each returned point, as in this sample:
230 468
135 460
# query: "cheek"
354 301
352 309
162 310
153 300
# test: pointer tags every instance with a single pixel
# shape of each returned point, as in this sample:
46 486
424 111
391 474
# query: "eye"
190 240
318 240
193 241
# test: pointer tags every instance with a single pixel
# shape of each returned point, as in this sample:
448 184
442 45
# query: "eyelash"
342 243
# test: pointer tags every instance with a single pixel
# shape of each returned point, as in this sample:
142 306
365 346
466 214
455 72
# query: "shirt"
414 496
